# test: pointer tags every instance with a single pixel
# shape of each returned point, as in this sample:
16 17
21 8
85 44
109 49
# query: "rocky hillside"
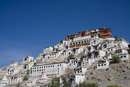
117 74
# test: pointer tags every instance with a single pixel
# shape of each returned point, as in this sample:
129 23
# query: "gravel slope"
117 74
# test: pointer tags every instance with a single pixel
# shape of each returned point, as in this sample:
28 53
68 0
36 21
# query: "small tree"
28 71
52 83
65 83
116 39
35 64
25 78
71 56
58 82
115 59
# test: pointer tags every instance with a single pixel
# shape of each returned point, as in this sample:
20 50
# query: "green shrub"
18 85
71 56
28 71
86 85
115 59
107 69
25 78
113 86
35 64
91 85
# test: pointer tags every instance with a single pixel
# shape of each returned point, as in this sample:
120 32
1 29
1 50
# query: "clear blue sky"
27 26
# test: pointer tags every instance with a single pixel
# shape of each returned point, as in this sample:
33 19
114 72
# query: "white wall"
103 65
79 78
73 63
15 80
58 68
3 84
28 59
124 57
48 50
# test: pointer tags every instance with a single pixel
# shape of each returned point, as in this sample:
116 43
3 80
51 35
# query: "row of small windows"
118 51
50 56
101 64
74 61
45 66
123 56
78 71
108 41
40 70
75 43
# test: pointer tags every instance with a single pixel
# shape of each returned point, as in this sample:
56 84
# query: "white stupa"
43 78
4 79
4 82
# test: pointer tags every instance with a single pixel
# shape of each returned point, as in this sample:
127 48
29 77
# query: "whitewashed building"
123 43
107 57
49 69
103 64
80 75
123 56
121 51
27 63
12 69
28 59
77 51
65 54
15 79
48 50
53 55
73 63
97 55
30 83
14 64
86 61
110 50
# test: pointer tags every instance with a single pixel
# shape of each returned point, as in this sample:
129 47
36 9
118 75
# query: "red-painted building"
101 32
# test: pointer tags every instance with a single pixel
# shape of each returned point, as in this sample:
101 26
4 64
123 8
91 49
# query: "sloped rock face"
117 74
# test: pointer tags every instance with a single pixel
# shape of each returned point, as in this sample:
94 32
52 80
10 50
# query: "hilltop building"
74 55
